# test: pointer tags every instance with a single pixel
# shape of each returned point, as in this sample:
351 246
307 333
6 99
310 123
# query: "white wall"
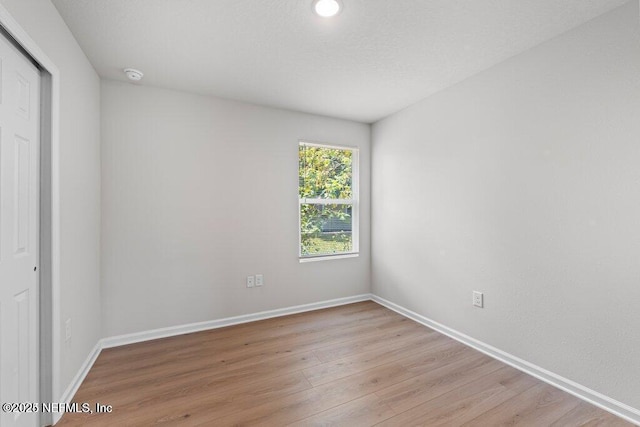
198 193
524 182
79 179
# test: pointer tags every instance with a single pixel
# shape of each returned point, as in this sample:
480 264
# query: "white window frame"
354 202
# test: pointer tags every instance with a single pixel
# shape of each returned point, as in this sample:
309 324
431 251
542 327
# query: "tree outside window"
328 206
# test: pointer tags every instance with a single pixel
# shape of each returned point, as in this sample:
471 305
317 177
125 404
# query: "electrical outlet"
251 281
67 329
478 299
259 280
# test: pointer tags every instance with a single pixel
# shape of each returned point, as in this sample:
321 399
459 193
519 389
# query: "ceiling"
375 58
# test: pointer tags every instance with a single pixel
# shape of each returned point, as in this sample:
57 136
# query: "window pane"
325 173
325 229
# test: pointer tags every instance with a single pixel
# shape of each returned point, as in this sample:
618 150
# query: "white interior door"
19 197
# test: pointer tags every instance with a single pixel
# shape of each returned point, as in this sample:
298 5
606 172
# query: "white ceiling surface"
373 59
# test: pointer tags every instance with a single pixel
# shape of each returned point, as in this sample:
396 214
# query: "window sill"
328 257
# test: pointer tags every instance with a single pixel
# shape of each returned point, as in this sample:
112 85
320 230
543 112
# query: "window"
328 194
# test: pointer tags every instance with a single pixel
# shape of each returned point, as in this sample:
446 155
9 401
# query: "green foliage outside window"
325 173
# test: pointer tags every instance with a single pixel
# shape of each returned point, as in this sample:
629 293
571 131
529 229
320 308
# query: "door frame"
49 280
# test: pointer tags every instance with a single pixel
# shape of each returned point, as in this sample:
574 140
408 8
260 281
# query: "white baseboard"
229 321
598 399
71 390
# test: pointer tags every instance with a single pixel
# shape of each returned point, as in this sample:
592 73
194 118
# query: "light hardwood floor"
357 365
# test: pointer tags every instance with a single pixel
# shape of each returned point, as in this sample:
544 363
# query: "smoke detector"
133 74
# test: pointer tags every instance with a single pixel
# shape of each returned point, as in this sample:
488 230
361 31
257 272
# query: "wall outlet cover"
67 329
478 299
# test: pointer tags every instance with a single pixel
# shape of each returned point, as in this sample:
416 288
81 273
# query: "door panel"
22 106
21 354
19 197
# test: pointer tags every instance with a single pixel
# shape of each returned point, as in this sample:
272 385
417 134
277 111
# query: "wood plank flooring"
357 365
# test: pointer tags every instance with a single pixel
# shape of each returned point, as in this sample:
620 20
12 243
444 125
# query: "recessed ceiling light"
327 8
